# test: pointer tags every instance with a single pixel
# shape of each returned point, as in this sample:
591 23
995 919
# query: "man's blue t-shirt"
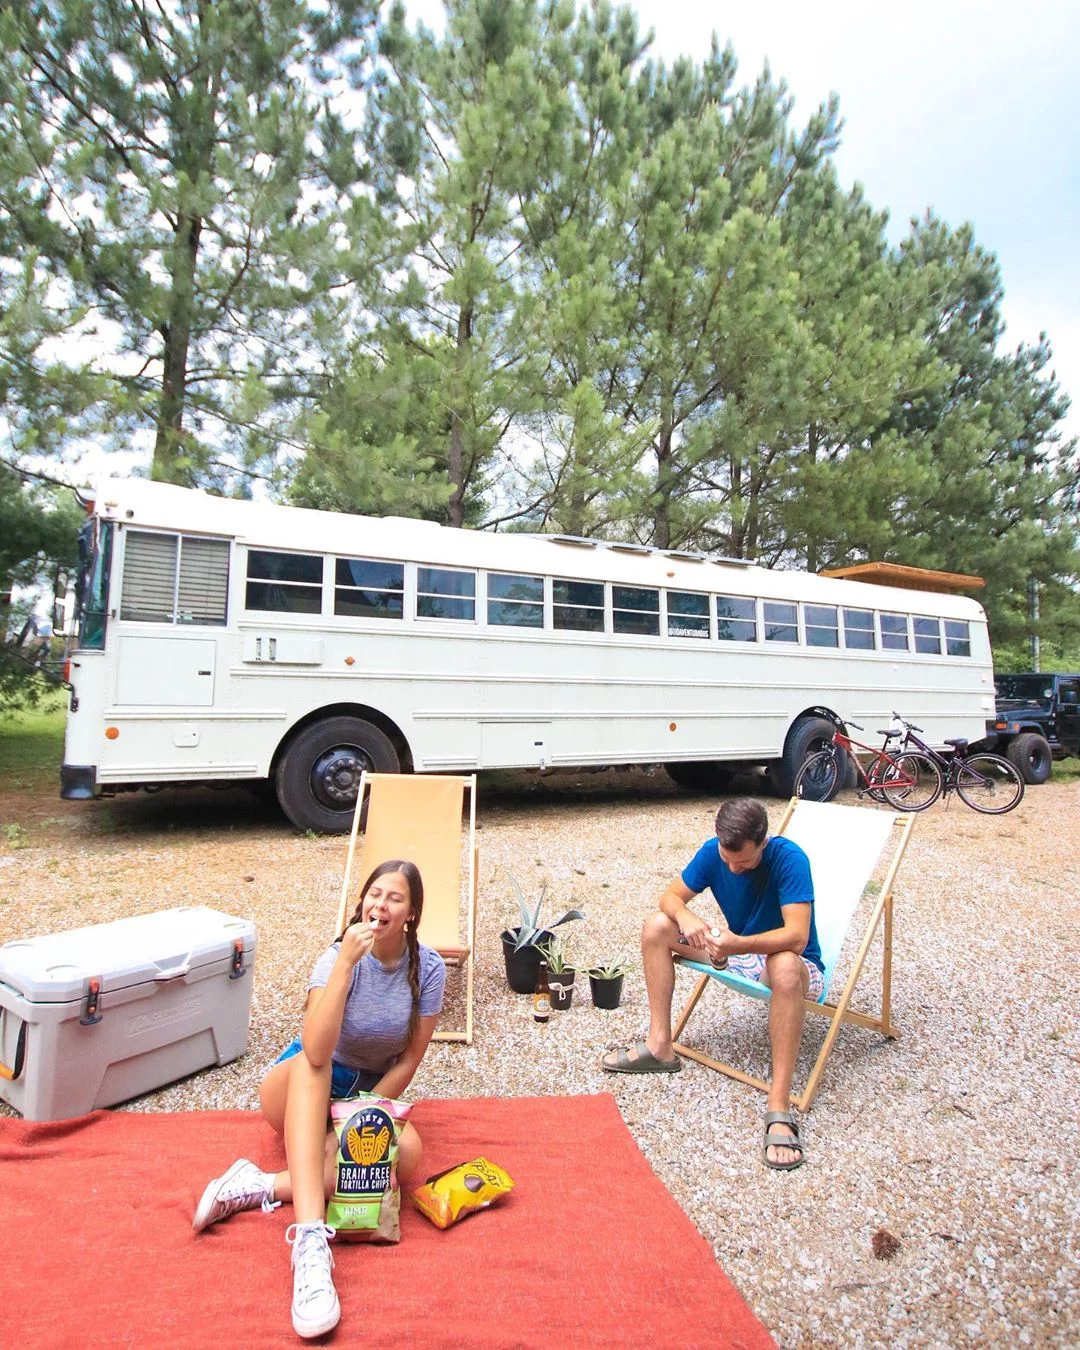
751 900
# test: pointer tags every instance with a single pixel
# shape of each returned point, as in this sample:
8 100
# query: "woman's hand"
357 941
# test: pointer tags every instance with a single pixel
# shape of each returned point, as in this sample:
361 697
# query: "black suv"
1038 721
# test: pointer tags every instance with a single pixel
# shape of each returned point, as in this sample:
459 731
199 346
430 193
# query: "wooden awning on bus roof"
909 578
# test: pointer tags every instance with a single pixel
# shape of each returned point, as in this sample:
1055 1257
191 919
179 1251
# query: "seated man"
765 892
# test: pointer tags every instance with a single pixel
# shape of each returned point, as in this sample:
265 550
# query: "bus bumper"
77 782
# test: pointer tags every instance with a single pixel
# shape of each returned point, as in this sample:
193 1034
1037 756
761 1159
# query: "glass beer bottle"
542 995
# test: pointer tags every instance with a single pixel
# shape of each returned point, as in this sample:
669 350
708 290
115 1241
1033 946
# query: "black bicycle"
986 782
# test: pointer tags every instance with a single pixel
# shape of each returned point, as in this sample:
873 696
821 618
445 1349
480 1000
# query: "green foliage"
174 171
531 925
38 528
516 274
612 967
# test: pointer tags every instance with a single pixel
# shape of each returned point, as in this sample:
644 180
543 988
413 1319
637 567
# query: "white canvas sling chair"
845 845
419 817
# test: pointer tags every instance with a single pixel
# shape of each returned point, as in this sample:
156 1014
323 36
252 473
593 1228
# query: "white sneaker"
315 1306
243 1186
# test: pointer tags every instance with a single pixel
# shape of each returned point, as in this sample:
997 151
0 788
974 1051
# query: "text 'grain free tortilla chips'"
450 1195
366 1203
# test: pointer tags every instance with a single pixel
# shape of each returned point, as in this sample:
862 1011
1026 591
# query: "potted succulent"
522 945
560 974
606 981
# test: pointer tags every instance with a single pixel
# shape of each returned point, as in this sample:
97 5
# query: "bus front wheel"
318 776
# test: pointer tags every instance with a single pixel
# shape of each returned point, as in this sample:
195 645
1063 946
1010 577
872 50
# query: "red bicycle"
908 780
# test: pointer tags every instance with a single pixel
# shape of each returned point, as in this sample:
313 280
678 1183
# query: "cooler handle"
174 972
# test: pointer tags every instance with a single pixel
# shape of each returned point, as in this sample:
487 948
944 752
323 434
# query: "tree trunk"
171 464
458 476
664 474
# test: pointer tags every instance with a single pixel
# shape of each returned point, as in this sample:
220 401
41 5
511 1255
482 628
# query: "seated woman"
373 1000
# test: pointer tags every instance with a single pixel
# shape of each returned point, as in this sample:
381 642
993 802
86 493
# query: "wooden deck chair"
418 816
845 844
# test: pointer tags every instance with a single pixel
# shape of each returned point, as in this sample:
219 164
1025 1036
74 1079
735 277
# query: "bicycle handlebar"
903 722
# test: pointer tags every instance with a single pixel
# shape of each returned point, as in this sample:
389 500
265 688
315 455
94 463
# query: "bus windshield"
92 585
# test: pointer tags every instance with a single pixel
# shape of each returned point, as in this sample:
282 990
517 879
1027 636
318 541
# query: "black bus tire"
1030 754
318 776
806 737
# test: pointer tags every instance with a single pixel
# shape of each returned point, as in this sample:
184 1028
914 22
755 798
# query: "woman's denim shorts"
344 1081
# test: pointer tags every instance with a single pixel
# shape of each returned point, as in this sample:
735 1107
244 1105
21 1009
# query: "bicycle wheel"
912 782
819 778
989 783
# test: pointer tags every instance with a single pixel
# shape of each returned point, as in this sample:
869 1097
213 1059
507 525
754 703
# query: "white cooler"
100 1014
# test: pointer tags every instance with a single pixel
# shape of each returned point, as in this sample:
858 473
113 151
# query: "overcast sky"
965 106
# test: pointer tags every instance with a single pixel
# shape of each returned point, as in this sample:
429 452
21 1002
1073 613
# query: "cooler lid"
55 967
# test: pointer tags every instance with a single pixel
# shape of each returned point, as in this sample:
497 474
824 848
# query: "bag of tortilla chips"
366 1203
461 1190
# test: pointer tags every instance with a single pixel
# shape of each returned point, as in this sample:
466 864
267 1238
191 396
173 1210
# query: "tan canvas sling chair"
419 817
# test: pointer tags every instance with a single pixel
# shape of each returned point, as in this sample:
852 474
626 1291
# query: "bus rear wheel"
318 776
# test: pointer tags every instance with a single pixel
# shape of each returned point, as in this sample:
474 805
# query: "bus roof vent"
630 548
731 562
685 554
577 539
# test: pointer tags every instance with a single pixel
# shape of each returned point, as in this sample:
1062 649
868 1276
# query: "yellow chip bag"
451 1195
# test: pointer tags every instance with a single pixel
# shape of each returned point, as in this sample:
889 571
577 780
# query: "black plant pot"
606 993
523 966
562 989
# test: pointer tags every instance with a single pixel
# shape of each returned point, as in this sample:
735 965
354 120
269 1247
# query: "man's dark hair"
740 822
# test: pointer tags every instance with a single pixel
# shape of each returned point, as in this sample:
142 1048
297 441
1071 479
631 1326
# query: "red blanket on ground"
589 1248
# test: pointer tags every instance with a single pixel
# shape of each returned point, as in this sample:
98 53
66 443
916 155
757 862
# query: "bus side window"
859 629
288 583
445 593
515 601
822 629
894 632
928 636
148 592
578 605
736 618
781 621
957 637
687 614
170 578
635 609
367 589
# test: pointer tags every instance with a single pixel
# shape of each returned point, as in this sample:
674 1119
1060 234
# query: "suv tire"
1030 754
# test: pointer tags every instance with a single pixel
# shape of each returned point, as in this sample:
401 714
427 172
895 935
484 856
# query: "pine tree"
185 185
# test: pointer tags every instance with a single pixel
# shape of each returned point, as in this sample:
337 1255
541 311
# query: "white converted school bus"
227 640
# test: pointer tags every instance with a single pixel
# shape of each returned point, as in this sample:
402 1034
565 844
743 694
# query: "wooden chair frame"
840 1011
407 842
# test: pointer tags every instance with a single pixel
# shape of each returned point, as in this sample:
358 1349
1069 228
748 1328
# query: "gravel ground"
953 1138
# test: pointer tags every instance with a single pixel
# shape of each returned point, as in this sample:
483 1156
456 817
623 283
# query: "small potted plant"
560 974
606 981
522 945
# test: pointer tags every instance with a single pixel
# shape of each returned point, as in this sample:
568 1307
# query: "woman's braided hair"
411 873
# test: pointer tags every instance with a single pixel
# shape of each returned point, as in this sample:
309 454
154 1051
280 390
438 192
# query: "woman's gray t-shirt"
375 1025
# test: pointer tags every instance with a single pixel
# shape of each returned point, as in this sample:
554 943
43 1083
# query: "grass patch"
32 743
1066 770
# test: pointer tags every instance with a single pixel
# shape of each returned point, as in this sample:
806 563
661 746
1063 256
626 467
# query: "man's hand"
704 936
